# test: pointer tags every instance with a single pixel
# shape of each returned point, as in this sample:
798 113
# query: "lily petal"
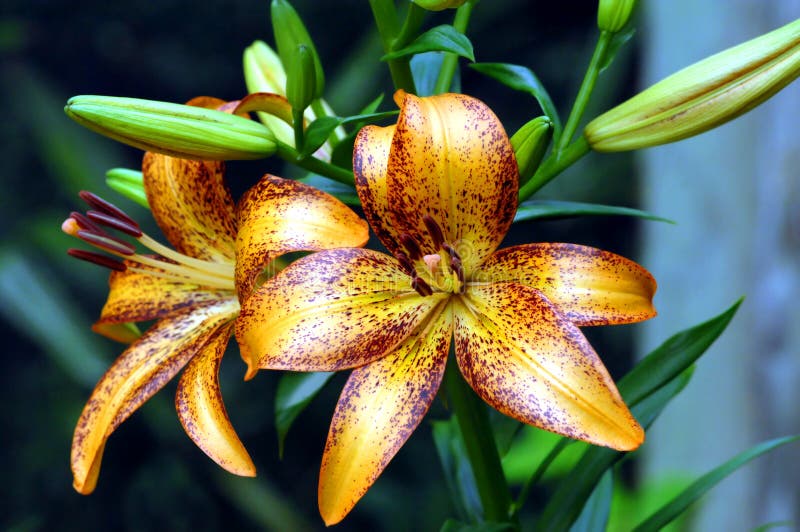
277 216
138 296
332 310
142 369
451 159
589 286
192 205
380 406
531 363
370 159
202 412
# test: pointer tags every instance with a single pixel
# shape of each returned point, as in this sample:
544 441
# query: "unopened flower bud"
703 95
300 80
128 183
530 144
290 32
612 15
439 5
178 130
263 70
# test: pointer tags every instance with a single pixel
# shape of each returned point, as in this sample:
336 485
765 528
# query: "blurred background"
733 192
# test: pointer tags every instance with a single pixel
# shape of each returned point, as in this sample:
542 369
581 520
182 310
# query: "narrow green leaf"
552 209
523 79
320 129
451 525
295 392
504 429
617 41
676 506
458 474
344 193
444 38
595 513
425 68
573 491
672 357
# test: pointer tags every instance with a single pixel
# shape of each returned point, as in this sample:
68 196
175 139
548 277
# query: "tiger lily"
439 189
193 290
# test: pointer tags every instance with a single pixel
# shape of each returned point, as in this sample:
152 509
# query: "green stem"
585 92
450 62
480 445
553 166
299 133
312 164
414 19
537 475
385 15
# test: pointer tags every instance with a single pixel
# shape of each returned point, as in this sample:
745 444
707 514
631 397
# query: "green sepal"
523 79
676 506
555 209
444 38
295 391
173 129
530 143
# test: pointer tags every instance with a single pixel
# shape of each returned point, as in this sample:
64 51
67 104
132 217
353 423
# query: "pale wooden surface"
735 193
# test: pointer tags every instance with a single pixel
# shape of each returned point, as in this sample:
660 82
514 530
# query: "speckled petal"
529 362
136 296
451 159
192 205
202 412
142 369
370 157
332 310
277 216
380 406
589 286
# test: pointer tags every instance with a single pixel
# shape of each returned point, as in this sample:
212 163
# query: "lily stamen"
181 268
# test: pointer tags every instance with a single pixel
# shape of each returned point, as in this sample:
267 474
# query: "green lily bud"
439 5
703 95
128 183
300 82
530 144
179 130
263 70
612 15
290 32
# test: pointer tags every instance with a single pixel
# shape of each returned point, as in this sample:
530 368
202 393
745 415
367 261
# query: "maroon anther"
434 230
451 251
405 263
421 286
96 258
114 223
96 202
108 243
411 245
85 223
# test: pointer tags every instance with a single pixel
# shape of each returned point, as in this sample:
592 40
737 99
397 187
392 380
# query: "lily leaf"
617 42
552 209
444 38
458 475
451 525
343 151
320 129
676 506
595 514
647 389
425 69
344 193
575 489
295 391
505 429
523 79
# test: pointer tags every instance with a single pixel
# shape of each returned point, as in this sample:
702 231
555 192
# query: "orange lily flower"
193 290
439 189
